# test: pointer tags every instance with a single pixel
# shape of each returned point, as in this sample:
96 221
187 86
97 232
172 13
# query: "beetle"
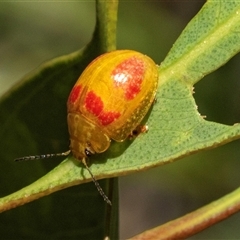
108 102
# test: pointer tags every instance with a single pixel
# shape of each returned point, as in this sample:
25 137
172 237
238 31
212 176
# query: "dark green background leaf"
39 102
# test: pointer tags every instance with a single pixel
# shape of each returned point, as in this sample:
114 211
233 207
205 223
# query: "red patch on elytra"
75 93
108 117
94 105
129 75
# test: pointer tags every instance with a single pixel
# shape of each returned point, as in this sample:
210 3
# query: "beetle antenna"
96 183
51 155
36 157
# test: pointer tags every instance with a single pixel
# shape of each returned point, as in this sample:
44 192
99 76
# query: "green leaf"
176 129
208 42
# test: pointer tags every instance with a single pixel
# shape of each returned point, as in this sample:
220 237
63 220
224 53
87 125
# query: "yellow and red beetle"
108 101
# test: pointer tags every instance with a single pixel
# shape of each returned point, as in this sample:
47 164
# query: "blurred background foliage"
34 32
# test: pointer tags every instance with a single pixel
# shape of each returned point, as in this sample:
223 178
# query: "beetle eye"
88 153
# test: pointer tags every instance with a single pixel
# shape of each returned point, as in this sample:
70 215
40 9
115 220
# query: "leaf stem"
196 221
